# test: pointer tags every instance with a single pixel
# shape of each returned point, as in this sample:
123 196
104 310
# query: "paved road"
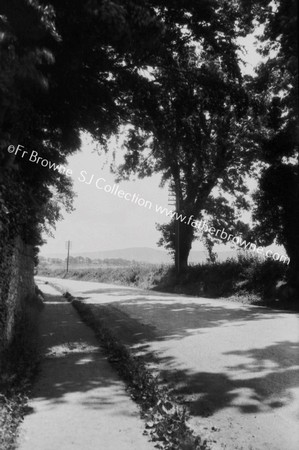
78 402
235 366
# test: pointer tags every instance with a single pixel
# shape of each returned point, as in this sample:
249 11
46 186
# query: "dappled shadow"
269 388
207 392
280 355
253 380
122 291
77 374
175 319
73 368
129 331
185 315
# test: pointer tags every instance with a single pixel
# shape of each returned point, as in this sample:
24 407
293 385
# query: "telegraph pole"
68 246
177 234
174 200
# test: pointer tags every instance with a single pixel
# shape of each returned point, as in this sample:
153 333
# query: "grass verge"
246 280
166 421
18 367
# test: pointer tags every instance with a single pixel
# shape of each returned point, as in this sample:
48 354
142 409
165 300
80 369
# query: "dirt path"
78 401
235 366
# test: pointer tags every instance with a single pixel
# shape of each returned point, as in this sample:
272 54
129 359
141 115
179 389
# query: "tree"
190 121
84 64
276 90
63 70
26 29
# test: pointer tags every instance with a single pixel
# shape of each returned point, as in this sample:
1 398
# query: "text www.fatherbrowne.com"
114 190
202 226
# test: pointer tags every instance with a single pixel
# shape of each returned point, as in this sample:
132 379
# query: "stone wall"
16 270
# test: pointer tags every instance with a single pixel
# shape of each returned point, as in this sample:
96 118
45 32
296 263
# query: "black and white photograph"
149 225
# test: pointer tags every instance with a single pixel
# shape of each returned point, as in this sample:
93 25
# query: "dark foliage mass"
276 87
168 73
63 69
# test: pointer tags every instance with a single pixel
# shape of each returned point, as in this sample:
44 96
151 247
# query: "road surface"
235 366
78 401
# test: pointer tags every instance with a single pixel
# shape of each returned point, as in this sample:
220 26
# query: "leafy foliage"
247 277
191 120
64 69
276 88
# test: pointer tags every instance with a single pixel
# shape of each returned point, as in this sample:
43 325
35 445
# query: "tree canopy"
191 123
63 70
170 71
276 90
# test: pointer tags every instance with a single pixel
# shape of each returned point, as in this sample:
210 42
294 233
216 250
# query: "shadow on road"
207 392
178 318
266 375
72 362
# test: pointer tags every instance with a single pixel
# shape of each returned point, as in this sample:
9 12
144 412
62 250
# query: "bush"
245 274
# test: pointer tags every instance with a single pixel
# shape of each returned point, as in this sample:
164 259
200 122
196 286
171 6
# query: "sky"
102 221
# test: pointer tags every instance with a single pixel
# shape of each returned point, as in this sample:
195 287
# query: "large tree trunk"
183 246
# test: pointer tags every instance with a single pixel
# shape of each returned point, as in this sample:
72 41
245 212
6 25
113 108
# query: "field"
244 279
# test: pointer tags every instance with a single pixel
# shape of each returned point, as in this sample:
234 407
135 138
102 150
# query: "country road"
78 401
236 367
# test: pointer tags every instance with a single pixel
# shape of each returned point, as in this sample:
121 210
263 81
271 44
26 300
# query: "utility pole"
177 235
174 200
68 246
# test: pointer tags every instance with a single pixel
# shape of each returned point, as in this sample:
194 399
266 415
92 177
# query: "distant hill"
140 254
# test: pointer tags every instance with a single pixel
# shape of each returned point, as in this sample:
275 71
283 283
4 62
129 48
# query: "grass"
19 365
247 279
141 275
